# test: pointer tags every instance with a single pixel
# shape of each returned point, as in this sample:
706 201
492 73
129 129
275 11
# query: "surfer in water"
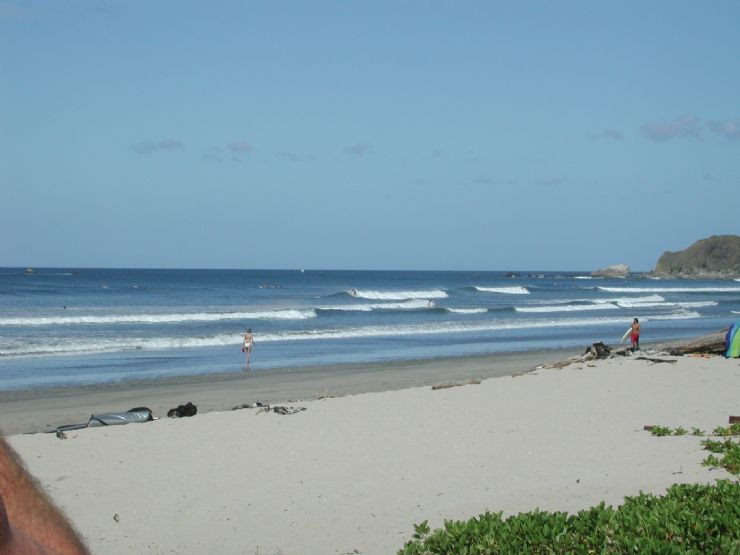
248 344
635 335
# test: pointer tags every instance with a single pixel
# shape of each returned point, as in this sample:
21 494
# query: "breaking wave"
411 304
399 295
565 308
514 290
671 289
90 346
626 301
289 314
697 304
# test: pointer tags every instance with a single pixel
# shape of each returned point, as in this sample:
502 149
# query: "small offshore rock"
613 271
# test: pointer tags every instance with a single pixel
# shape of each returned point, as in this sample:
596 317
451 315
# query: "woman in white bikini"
248 343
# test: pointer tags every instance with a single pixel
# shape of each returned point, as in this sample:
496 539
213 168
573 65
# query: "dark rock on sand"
188 409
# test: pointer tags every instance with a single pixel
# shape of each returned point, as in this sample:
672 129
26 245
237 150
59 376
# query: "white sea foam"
626 300
467 310
690 304
461 327
514 290
411 304
289 314
87 346
400 295
565 308
683 315
735 311
671 289
84 346
584 277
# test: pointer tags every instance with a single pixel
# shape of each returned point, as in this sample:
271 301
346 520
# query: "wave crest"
513 290
671 289
565 308
399 295
411 304
287 314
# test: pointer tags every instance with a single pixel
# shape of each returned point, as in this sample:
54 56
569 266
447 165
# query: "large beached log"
713 344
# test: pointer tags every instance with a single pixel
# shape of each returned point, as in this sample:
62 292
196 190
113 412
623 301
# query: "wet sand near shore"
37 410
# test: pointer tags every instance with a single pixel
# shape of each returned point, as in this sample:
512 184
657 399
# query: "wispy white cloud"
681 127
240 148
146 148
549 181
216 154
359 150
485 180
233 152
495 181
609 134
729 129
285 155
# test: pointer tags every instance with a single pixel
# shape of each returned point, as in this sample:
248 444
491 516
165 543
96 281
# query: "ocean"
71 327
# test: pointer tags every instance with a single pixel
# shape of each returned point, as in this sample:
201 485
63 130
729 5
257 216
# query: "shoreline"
354 474
42 409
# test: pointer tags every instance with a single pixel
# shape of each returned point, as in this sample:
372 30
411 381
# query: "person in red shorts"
635 335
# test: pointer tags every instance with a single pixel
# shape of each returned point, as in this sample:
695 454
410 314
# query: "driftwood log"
713 344
598 350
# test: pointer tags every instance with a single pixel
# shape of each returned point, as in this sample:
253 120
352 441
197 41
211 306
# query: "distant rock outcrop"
715 257
614 271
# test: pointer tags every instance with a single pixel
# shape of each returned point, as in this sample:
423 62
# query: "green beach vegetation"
724 454
687 519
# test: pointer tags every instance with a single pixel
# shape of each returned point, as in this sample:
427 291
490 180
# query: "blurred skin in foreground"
29 522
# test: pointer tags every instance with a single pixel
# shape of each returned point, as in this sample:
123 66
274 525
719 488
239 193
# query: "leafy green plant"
731 430
697 432
679 431
661 431
713 446
689 518
729 449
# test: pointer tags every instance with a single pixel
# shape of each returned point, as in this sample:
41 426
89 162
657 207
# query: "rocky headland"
717 257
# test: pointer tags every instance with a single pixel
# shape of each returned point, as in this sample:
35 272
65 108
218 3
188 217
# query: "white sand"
353 474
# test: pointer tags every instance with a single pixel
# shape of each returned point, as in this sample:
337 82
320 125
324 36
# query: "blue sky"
367 135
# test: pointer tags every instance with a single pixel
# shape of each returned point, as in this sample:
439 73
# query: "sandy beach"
353 474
